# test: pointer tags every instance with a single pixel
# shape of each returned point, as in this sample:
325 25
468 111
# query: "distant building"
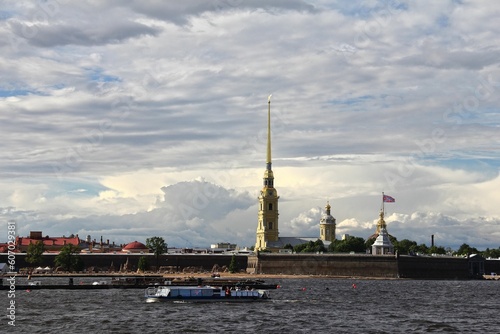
135 247
92 246
51 244
222 246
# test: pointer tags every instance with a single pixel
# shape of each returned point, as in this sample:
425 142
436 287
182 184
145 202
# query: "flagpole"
383 208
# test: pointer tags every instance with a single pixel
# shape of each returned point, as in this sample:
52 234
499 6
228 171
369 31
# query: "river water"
299 306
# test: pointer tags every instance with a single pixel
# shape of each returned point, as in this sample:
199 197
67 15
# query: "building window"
270 206
270 225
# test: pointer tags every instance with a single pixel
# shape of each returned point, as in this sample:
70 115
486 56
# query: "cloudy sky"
132 119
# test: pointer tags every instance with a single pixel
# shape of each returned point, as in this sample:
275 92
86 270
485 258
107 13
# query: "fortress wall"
359 265
326 264
175 261
382 266
430 267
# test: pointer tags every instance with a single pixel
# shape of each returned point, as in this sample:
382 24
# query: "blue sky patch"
15 92
352 101
96 74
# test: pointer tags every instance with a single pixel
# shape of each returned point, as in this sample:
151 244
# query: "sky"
132 119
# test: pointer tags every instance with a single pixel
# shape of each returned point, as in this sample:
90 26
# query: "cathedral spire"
268 174
268 159
267 227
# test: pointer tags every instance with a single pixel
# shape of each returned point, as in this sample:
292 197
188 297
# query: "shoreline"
223 276
180 276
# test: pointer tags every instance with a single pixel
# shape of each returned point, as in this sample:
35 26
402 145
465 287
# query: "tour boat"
203 294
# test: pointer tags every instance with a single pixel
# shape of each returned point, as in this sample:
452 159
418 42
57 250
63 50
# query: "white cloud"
367 97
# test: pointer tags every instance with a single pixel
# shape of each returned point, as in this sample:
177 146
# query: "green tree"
143 264
493 253
422 249
350 244
34 253
437 250
466 250
406 246
310 247
158 246
67 258
333 245
233 265
319 246
369 243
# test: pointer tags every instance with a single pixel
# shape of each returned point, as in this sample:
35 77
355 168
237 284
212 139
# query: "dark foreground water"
299 306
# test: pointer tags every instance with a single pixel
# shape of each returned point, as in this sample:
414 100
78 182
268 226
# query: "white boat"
35 283
100 283
202 294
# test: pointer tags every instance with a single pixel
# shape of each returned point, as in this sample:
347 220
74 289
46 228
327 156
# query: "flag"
388 199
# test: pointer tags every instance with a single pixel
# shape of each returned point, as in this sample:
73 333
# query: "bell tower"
327 225
267 227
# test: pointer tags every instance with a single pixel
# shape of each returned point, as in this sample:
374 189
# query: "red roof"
48 241
135 245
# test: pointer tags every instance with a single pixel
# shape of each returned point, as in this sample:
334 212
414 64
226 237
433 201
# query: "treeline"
404 247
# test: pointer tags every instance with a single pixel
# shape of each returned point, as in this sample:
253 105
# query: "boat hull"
202 294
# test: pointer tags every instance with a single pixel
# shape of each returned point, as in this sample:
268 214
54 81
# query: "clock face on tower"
269 192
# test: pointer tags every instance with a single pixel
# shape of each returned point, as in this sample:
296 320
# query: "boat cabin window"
208 292
196 292
184 292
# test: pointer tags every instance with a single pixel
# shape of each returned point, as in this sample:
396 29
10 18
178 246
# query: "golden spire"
268 174
268 160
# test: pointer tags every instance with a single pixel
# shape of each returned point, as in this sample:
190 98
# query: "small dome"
135 245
